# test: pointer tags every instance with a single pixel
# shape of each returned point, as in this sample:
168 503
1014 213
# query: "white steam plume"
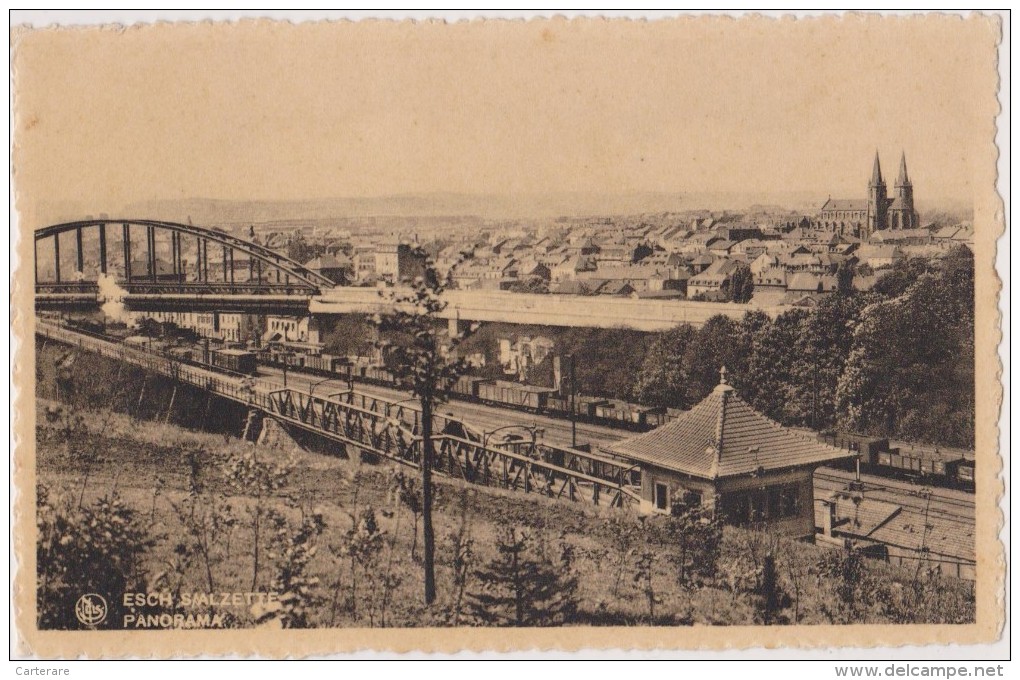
111 296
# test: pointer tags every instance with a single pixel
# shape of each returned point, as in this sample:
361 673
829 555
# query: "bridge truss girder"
295 275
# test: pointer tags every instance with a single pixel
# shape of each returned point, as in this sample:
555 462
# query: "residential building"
879 256
301 330
714 281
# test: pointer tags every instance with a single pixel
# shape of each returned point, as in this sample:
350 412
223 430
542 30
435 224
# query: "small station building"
726 457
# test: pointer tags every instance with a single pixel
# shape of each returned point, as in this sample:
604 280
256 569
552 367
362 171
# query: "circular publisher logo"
91 609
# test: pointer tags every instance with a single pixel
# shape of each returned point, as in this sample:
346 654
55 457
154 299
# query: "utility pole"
573 404
814 391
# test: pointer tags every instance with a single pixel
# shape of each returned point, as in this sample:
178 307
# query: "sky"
280 111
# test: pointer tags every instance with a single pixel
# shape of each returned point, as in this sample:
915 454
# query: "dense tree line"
895 361
910 369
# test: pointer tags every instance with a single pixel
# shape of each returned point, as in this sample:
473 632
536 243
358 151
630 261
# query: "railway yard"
906 517
920 518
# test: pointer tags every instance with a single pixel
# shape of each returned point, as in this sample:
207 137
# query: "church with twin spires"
863 217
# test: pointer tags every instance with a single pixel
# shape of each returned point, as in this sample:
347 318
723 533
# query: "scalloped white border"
46 18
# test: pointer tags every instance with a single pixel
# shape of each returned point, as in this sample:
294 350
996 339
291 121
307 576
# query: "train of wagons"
502 393
924 466
935 467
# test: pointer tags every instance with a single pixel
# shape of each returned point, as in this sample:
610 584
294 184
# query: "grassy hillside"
190 512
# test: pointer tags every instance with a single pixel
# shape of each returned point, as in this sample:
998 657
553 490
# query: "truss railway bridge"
359 424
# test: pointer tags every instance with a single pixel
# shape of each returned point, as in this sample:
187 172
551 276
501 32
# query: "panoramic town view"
741 416
383 329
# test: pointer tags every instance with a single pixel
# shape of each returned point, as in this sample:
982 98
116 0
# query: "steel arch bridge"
174 262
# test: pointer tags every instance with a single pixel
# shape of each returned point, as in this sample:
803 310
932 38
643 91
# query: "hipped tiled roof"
723 436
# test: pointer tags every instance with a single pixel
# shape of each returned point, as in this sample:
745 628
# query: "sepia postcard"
555 334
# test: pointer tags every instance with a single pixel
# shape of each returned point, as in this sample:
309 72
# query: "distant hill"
489 206
452 204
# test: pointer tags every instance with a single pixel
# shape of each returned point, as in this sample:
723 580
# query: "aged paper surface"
609 178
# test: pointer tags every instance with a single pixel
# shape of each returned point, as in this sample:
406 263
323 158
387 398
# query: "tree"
347 335
823 348
149 327
697 536
419 362
910 366
608 359
741 284
298 590
858 593
770 379
895 281
299 250
664 372
751 326
845 277
518 588
716 344
248 475
771 600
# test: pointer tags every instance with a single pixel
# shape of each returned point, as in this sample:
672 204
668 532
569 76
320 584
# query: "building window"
661 496
760 505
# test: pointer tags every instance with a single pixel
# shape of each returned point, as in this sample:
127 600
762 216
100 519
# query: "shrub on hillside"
83 551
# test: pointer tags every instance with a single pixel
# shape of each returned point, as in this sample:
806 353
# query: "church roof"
903 179
723 436
846 204
876 172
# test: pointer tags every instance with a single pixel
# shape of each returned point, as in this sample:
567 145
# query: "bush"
86 550
298 589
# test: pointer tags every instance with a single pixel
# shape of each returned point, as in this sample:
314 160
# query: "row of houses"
791 258
240 328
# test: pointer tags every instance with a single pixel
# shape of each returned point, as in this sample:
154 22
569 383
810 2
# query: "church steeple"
878 201
876 172
903 216
903 180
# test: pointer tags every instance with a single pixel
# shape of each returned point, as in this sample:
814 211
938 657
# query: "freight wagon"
501 392
467 386
624 412
235 360
923 466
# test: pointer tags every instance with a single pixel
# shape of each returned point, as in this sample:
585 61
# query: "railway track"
947 505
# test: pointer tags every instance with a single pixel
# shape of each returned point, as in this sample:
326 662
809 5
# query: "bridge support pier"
150 252
254 426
